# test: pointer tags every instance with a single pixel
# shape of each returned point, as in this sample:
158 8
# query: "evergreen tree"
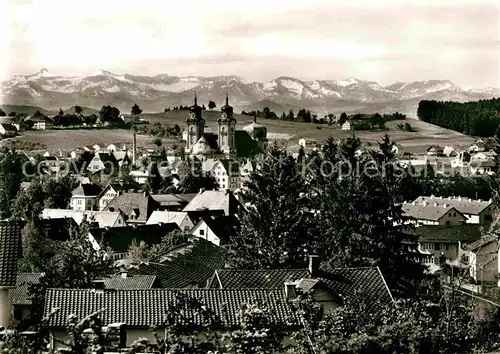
136 110
78 110
211 105
11 176
2 113
275 226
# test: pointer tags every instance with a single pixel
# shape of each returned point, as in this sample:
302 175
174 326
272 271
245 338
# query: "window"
202 232
447 222
454 215
443 246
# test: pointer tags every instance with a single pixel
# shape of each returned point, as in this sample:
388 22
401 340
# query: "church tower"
195 124
227 128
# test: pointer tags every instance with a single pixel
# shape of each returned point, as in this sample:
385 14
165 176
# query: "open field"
67 140
288 132
414 142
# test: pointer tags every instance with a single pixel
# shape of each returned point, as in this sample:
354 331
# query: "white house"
216 229
449 150
483 259
482 167
85 197
227 174
346 126
41 122
102 218
7 130
181 218
432 213
140 176
108 194
112 148
308 143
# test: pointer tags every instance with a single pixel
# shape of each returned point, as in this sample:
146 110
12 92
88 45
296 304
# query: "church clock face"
192 115
224 115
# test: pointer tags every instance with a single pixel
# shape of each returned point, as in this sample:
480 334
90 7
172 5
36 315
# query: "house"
85 197
435 150
119 239
478 146
483 259
173 202
128 307
397 149
40 122
483 156
137 207
449 151
123 157
476 211
112 148
57 229
365 283
181 218
214 200
346 126
96 147
217 229
227 174
101 218
141 176
246 170
51 163
461 160
482 167
426 213
445 243
10 252
103 161
7 130
108 194
188 265
308 143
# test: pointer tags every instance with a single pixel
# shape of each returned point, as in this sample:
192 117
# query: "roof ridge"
175 289
259 270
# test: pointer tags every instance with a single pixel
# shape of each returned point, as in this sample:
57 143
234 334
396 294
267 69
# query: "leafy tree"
138 252
109 114
342 118
12 114
211 105
193 178
78 110
2 113
157 142
143 252
275 226
11 176
136 110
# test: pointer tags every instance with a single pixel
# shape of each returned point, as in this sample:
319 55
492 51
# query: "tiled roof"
143 308
133 202
261 278
173 199
245 145
167 216
102 218
120 238
367 283
426 212
463 205
10 251
482 242
466 233
189 265
214 200
130 282
87 189
8 127
20 295
481 163
196 215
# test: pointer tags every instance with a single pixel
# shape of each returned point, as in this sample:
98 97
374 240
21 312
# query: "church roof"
202 146
245 145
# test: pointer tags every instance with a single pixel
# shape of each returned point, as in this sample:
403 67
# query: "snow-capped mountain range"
154 93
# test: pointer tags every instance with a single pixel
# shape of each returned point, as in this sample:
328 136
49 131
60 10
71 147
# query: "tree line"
480 118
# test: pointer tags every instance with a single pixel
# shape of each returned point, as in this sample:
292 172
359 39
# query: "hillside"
155 93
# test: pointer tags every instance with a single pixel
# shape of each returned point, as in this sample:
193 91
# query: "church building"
228 142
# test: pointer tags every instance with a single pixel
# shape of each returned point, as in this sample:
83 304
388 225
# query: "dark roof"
465 233
143 308
57 229
187 265
120 238
260 278
482 163
130 282
128 203
428 211
87 189
212 140
224 226
20 295
196 215
10 251
482 242
245 145
106 156
8 127
367 283
114 186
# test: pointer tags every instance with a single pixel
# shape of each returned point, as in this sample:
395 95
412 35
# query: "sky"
385 41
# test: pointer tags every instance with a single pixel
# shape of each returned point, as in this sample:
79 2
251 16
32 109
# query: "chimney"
432 196
99 286
435 204
289 290
445 205
424 203
479 200
201 190
459 198
134 148
124 274
313 264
